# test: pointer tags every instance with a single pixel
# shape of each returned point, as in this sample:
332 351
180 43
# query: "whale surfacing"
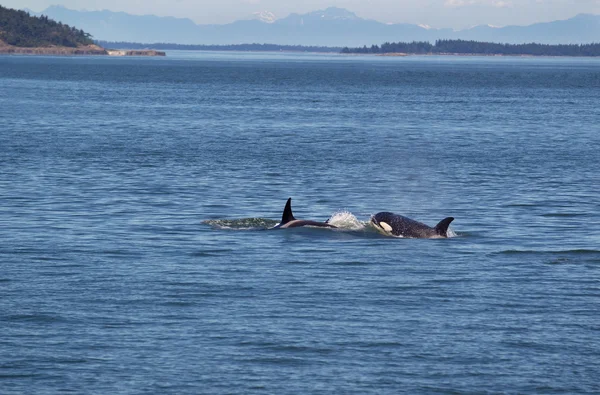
400 226
288 220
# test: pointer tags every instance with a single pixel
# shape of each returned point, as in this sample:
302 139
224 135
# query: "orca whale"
399 226
288 220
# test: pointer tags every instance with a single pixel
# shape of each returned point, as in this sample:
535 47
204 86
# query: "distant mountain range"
334 27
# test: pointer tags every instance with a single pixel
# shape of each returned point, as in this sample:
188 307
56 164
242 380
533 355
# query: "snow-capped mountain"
330 27
264 16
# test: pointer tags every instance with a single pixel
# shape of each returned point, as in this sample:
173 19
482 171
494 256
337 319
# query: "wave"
555 257
528 252
563 215
242 223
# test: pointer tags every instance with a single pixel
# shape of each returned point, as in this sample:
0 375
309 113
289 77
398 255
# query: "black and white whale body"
288 220
399 226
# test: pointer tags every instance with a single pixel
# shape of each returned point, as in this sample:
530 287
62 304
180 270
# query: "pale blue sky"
436 13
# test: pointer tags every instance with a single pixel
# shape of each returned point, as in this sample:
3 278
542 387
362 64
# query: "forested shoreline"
464 47
19 29
455 47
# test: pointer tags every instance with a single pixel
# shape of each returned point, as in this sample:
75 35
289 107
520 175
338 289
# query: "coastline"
54 50
96 50
135 52
88 50
473 54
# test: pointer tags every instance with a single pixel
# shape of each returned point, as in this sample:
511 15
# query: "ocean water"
135 194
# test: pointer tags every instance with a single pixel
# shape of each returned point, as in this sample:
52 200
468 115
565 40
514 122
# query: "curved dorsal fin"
287 213
442 228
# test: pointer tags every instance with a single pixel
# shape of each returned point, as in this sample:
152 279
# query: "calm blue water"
134 193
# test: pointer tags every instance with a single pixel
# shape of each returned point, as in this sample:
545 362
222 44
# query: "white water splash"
450 233
346 220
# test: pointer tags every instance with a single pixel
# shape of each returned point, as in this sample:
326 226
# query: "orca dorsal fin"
442 228
287 213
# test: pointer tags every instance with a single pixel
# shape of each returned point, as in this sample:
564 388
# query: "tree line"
465 47
20 29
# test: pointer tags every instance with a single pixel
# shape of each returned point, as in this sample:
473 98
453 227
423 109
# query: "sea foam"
346 220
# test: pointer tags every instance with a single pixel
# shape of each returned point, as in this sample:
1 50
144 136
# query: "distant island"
21 33
464 47
232 47
440 47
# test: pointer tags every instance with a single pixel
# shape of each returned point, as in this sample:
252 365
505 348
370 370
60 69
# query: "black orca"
397 225
288 220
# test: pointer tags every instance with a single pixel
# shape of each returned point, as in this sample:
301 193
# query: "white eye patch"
385 226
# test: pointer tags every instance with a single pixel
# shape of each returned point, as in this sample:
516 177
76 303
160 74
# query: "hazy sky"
436 13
